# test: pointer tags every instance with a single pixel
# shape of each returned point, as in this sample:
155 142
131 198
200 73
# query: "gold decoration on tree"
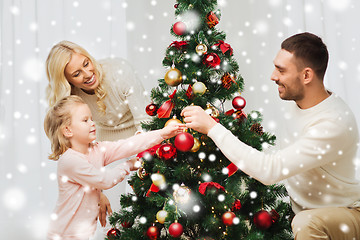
182 194
199 88
161 216
211 110
201 49
173 77
172 121
196 146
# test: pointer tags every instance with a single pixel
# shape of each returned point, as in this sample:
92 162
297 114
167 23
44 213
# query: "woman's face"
80 72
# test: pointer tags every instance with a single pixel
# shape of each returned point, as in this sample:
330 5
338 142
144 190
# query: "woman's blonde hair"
56 119
58 86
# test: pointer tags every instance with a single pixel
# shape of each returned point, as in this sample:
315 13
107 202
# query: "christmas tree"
186 188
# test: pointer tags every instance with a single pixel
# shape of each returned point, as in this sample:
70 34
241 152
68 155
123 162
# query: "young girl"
81 173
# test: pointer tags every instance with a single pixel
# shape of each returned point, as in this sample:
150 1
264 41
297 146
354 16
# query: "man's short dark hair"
310 50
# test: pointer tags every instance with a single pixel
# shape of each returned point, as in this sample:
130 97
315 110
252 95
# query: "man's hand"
105 209
196 118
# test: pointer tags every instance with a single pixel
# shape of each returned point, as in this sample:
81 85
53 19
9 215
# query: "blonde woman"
113 93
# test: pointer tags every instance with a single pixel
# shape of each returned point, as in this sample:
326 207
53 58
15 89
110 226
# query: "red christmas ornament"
152 233
127 224
228 218
203 187
239 102
227 80
274 216
211 60
236 206
176 5
224 47
263 220
151 109
179 44
165 110
176 229
179 28
113 233
212 20
166 151
184 142
151 151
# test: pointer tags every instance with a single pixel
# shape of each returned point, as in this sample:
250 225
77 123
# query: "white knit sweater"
125 101
319 165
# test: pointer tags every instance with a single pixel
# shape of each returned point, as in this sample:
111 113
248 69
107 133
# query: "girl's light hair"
58 86
56 119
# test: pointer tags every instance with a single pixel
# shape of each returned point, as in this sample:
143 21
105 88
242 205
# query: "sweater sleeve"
321 144
79 170
127 147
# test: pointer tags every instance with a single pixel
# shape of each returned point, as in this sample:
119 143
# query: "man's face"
287 76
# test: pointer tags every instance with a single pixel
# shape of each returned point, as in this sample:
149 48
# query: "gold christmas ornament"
161 216
158 179
172 121
201 49
141 172
173 77
211 110
196 146
182 194
199 88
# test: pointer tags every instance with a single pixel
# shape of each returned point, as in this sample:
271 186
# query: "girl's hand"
104 209
172 130
134 163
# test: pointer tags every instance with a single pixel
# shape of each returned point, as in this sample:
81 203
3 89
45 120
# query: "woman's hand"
172 130
134 163
196 118
105 209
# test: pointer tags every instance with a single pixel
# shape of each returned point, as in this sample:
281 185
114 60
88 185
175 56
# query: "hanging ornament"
211 110
173 77
172 121
176 229
239 102
257 128
161 216
166 151
126 224
211 60
189 92
227 80
201 49
199 88
179 28
182 194
274 216
224 47
153 233
228 218
165 110
141 173
262 220
184 142
196 146
158 179
236 206
151 109
113 234
212 20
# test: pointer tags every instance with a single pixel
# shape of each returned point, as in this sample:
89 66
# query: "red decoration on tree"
189 92
179 28
176 5
205 185
153 233
179 44
228 218
127 224
239 102
212 19
262 220
113 233
236 206
232 168
166 151
211 60
184 142
151 151
151 109
176 229
165 110
227 80
224 47
153 188
274 216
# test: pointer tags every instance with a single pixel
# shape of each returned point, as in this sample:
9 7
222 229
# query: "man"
318 168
